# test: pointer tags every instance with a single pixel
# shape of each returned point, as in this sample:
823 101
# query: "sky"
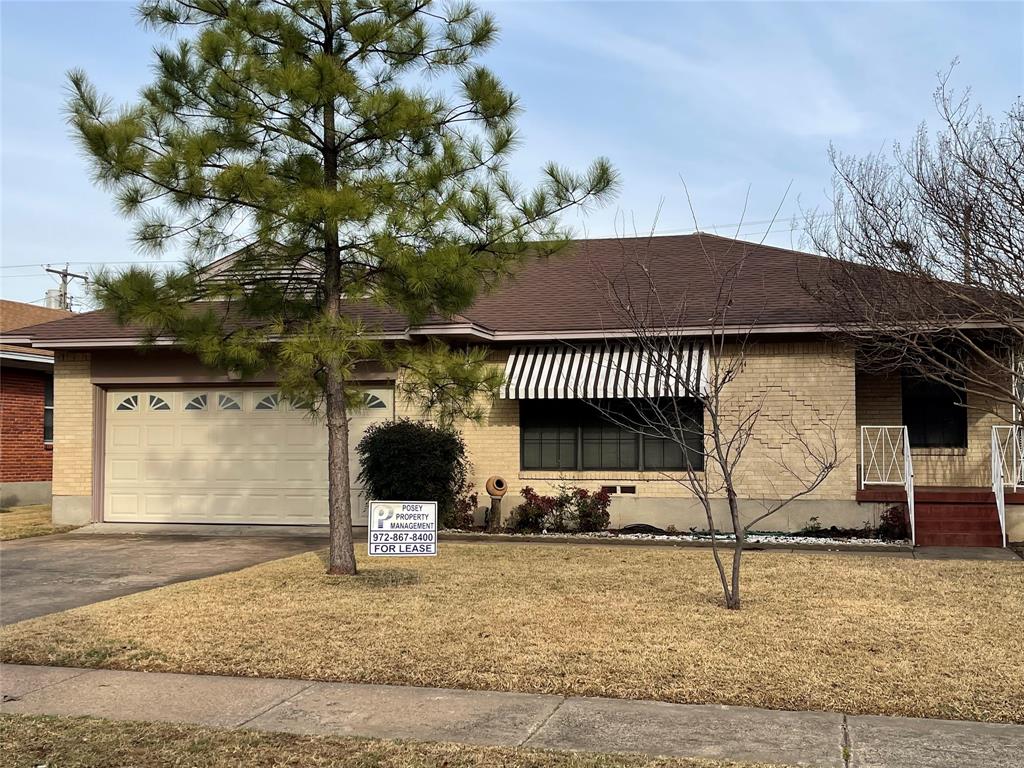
717 115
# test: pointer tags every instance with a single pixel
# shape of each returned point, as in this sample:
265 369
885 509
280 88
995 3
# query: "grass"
67 742
24 522
848 633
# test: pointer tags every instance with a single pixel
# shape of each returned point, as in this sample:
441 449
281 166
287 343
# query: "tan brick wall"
72 428
801 384
879 403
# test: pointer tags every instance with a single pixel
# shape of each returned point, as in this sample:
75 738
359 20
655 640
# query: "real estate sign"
403 528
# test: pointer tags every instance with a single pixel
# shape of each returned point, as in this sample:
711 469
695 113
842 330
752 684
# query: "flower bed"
773 539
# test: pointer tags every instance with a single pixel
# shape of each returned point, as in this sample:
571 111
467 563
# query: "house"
26 409
150 435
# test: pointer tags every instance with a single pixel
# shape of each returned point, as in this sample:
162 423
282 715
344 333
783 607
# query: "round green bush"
407 460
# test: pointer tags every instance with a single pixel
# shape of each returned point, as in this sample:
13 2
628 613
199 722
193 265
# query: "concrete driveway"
47 574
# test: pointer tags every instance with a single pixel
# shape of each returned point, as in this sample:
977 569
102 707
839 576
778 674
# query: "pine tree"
353 153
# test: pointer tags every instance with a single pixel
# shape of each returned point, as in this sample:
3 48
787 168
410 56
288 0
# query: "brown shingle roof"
102 326
568 293
17 314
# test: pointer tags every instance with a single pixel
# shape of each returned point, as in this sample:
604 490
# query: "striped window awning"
604 371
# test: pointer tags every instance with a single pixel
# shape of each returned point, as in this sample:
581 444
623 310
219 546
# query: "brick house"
26 410
153 436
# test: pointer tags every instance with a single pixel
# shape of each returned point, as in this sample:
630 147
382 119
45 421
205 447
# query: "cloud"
772 77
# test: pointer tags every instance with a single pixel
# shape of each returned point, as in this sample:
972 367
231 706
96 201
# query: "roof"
567 295
17 314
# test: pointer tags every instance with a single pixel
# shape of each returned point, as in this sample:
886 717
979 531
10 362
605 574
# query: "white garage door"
243 455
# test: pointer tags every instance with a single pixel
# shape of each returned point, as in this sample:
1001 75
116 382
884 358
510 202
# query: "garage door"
223 456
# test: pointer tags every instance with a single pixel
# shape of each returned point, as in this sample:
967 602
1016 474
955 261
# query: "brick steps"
959 539
948 516
958 519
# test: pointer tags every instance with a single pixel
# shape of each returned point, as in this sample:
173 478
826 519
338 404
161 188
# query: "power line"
89 263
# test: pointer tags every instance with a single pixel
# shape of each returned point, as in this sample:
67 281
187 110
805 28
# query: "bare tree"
659 331
927 253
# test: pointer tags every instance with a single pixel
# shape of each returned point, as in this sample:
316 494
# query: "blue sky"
735 98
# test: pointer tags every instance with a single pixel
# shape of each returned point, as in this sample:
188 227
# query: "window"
608 446
300 404
549 446
372 401
48 411
268 402
619 489
933 413
197 403
157 403
228 402
574 435
130 403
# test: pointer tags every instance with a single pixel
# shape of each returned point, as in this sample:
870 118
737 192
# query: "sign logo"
402 529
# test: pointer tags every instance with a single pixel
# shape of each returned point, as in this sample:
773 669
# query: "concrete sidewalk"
513 719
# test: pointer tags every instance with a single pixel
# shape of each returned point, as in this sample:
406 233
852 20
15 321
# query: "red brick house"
26 410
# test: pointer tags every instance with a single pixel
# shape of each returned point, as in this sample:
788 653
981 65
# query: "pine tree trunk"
342 559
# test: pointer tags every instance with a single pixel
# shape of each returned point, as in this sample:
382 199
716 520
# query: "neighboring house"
153 436
26 410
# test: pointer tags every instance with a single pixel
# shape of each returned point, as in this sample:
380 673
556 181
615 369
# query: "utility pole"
65 279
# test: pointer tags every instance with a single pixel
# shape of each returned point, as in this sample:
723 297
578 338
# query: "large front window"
573 435
933 412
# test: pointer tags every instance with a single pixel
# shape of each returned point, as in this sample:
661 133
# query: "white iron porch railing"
885 460
1007 466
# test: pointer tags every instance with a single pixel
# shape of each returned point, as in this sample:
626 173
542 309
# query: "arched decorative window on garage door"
130 403
372 401
268 402
228 402
157 403
197 403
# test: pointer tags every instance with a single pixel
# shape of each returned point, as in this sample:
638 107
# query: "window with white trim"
228 402
197 403
372 401
157 403
268 402
129 403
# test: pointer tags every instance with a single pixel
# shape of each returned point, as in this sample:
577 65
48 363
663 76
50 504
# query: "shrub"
531 516
412 460
464 509
573 509
893 524
812 527
592 509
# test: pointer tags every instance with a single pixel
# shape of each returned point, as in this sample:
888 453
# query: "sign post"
403 529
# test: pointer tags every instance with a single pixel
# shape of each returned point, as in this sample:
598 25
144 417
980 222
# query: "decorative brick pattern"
72 427
24 457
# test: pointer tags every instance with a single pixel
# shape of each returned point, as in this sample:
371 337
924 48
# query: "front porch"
973 515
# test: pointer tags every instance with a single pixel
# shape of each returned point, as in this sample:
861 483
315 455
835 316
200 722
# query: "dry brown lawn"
88 743
850 633
23 522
